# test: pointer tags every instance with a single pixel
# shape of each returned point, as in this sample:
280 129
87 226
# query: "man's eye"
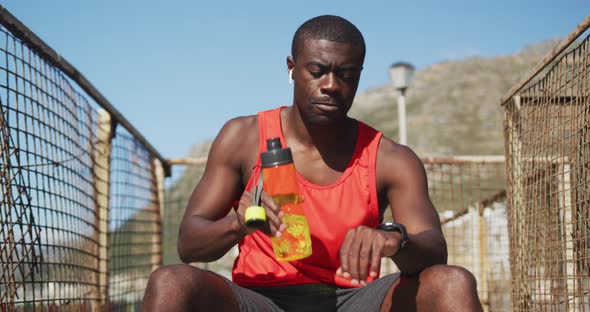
347 74
316 74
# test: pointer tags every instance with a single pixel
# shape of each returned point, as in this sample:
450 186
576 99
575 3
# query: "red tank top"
331 211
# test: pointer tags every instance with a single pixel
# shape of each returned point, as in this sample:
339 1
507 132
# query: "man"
348 174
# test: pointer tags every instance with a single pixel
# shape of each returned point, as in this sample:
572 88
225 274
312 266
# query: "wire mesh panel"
134 220
80 211
48 238
548 157
469 194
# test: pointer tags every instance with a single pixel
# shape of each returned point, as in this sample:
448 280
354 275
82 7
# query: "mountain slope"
453 108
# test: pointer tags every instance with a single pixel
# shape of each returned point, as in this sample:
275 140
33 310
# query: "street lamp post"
401 75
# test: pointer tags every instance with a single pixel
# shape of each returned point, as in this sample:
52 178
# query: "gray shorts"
313 297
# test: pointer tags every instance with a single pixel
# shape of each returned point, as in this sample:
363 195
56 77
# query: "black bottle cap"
272 144
276 155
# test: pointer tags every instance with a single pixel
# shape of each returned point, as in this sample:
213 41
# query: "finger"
353 258
273 220
245 201
375 258
270 203
365 254
344 250
274 214
274 230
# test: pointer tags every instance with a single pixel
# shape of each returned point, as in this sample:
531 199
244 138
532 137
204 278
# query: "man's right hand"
273 226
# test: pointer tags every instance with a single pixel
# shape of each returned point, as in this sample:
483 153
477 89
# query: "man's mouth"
328 106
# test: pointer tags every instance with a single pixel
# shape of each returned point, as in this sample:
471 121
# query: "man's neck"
336 136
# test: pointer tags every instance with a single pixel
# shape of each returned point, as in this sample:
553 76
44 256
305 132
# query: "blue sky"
179 69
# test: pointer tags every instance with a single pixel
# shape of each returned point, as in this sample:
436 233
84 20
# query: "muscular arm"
207 231
403 178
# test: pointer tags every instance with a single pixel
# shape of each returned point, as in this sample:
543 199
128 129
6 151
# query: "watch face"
387 226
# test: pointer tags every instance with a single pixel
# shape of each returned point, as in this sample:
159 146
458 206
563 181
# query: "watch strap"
395 227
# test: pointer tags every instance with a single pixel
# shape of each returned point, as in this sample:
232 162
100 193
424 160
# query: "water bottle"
280 182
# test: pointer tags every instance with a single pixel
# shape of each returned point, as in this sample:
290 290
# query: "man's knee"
186 288
443 279
177 279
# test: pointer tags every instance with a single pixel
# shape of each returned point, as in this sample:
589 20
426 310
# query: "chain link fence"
547 131
81 190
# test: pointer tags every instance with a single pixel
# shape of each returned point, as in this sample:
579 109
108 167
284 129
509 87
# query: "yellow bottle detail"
295 241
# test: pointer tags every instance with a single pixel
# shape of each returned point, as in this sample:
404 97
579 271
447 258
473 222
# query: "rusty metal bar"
492 198
187 161
464 159
579 30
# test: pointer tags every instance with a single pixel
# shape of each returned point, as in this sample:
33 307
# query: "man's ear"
290 63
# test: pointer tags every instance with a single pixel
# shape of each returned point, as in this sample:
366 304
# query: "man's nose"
330 83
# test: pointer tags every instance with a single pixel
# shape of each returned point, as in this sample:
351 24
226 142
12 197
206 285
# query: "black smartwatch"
395 227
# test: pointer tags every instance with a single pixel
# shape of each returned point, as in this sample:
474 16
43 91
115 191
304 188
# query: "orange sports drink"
280 182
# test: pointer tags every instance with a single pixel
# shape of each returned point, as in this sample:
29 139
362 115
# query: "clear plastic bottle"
280 182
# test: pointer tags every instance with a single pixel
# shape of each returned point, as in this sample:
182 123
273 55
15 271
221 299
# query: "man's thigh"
367 298
326 298
314 297
250 301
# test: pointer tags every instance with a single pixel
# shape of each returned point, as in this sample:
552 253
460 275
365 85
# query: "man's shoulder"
237 137
243 128
249 122
389 149
240 124
395 159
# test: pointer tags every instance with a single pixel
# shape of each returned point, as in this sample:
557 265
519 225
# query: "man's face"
326 75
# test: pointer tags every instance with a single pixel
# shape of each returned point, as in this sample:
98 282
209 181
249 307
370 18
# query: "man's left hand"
362 250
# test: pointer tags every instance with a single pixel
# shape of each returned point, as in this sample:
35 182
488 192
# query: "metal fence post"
516 214
102 157
567 219
483 258
157 240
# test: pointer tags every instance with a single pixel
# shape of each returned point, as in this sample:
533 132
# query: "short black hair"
328 27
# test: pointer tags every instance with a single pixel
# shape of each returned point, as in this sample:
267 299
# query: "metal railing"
547 132
82 190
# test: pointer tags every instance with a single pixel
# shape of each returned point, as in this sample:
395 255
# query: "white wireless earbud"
290 76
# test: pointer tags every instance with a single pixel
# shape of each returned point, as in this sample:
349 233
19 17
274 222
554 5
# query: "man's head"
327 27
328 55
